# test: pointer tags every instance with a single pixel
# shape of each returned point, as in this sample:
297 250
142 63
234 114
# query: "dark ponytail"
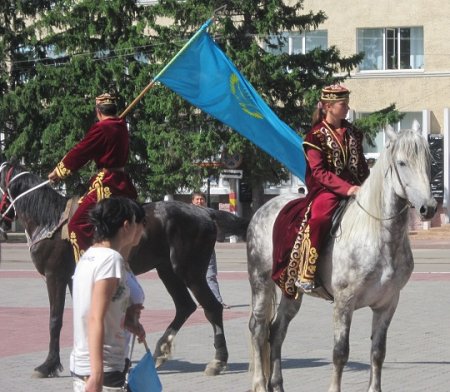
109 215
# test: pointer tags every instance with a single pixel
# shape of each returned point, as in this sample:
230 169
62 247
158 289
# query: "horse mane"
43 206
408 145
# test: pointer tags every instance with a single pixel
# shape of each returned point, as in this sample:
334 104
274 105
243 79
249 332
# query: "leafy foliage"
376 121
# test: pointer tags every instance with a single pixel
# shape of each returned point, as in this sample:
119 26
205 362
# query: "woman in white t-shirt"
101 298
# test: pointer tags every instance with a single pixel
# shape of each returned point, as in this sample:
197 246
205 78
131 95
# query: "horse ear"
391 134
416 126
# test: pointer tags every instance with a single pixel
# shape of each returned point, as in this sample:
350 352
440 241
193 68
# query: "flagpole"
137 99
155 79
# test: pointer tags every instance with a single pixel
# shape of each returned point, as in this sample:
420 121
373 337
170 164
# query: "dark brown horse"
178 241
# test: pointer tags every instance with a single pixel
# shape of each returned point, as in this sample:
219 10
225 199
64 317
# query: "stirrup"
306 287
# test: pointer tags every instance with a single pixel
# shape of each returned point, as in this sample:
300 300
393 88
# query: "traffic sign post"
233 175
229 173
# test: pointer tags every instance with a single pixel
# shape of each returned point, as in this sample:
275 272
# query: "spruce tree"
290 84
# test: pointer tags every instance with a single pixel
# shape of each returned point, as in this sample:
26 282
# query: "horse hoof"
159 361
45 371
161 356
163 350
38 374
215 367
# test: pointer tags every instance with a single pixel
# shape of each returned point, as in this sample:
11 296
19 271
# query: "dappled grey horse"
367 264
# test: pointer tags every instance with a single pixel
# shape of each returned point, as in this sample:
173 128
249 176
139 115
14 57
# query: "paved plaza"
418 351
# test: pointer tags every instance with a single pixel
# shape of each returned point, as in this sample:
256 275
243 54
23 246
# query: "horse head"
410 165
28 198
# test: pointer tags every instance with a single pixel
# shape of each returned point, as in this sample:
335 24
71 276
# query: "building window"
380 139
395 48
408 120
296 43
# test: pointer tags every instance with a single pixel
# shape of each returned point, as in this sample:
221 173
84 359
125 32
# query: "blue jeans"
211 277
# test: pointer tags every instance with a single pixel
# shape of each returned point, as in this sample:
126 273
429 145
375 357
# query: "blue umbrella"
143 377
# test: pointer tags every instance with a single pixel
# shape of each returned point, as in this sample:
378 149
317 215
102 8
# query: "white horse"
366 265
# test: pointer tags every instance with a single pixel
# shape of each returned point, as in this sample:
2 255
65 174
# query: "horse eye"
402 163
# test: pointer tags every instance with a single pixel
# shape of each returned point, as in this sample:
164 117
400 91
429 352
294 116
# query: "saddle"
285 268
71 207
47 232
337 217
320 291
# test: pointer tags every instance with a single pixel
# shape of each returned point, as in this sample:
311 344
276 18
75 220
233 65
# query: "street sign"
232 161
231 174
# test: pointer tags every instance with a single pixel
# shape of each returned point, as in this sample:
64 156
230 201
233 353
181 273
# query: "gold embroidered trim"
313 146
309 258
336 156
62 171
303 258
76 248
103 192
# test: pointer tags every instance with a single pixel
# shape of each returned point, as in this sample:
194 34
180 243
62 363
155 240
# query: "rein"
383 219
407 205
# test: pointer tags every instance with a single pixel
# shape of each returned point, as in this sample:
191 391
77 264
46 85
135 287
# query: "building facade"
407 62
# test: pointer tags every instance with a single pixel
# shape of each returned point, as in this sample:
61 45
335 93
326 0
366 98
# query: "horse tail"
228 224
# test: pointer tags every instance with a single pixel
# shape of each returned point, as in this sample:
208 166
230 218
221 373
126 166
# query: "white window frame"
417 53
289 48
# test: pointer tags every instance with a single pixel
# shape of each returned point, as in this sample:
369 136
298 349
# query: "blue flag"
144 377
203 75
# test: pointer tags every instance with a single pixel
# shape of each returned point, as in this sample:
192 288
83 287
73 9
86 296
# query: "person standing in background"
199 199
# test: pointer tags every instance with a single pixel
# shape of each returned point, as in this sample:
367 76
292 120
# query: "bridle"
407 205
7 201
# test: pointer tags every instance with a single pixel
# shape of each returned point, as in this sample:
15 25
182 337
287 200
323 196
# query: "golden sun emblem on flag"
245 101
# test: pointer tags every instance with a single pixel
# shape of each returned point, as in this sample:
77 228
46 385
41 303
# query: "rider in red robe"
107 144
336 167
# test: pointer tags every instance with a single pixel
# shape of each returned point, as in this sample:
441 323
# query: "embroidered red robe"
107 144
335 162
